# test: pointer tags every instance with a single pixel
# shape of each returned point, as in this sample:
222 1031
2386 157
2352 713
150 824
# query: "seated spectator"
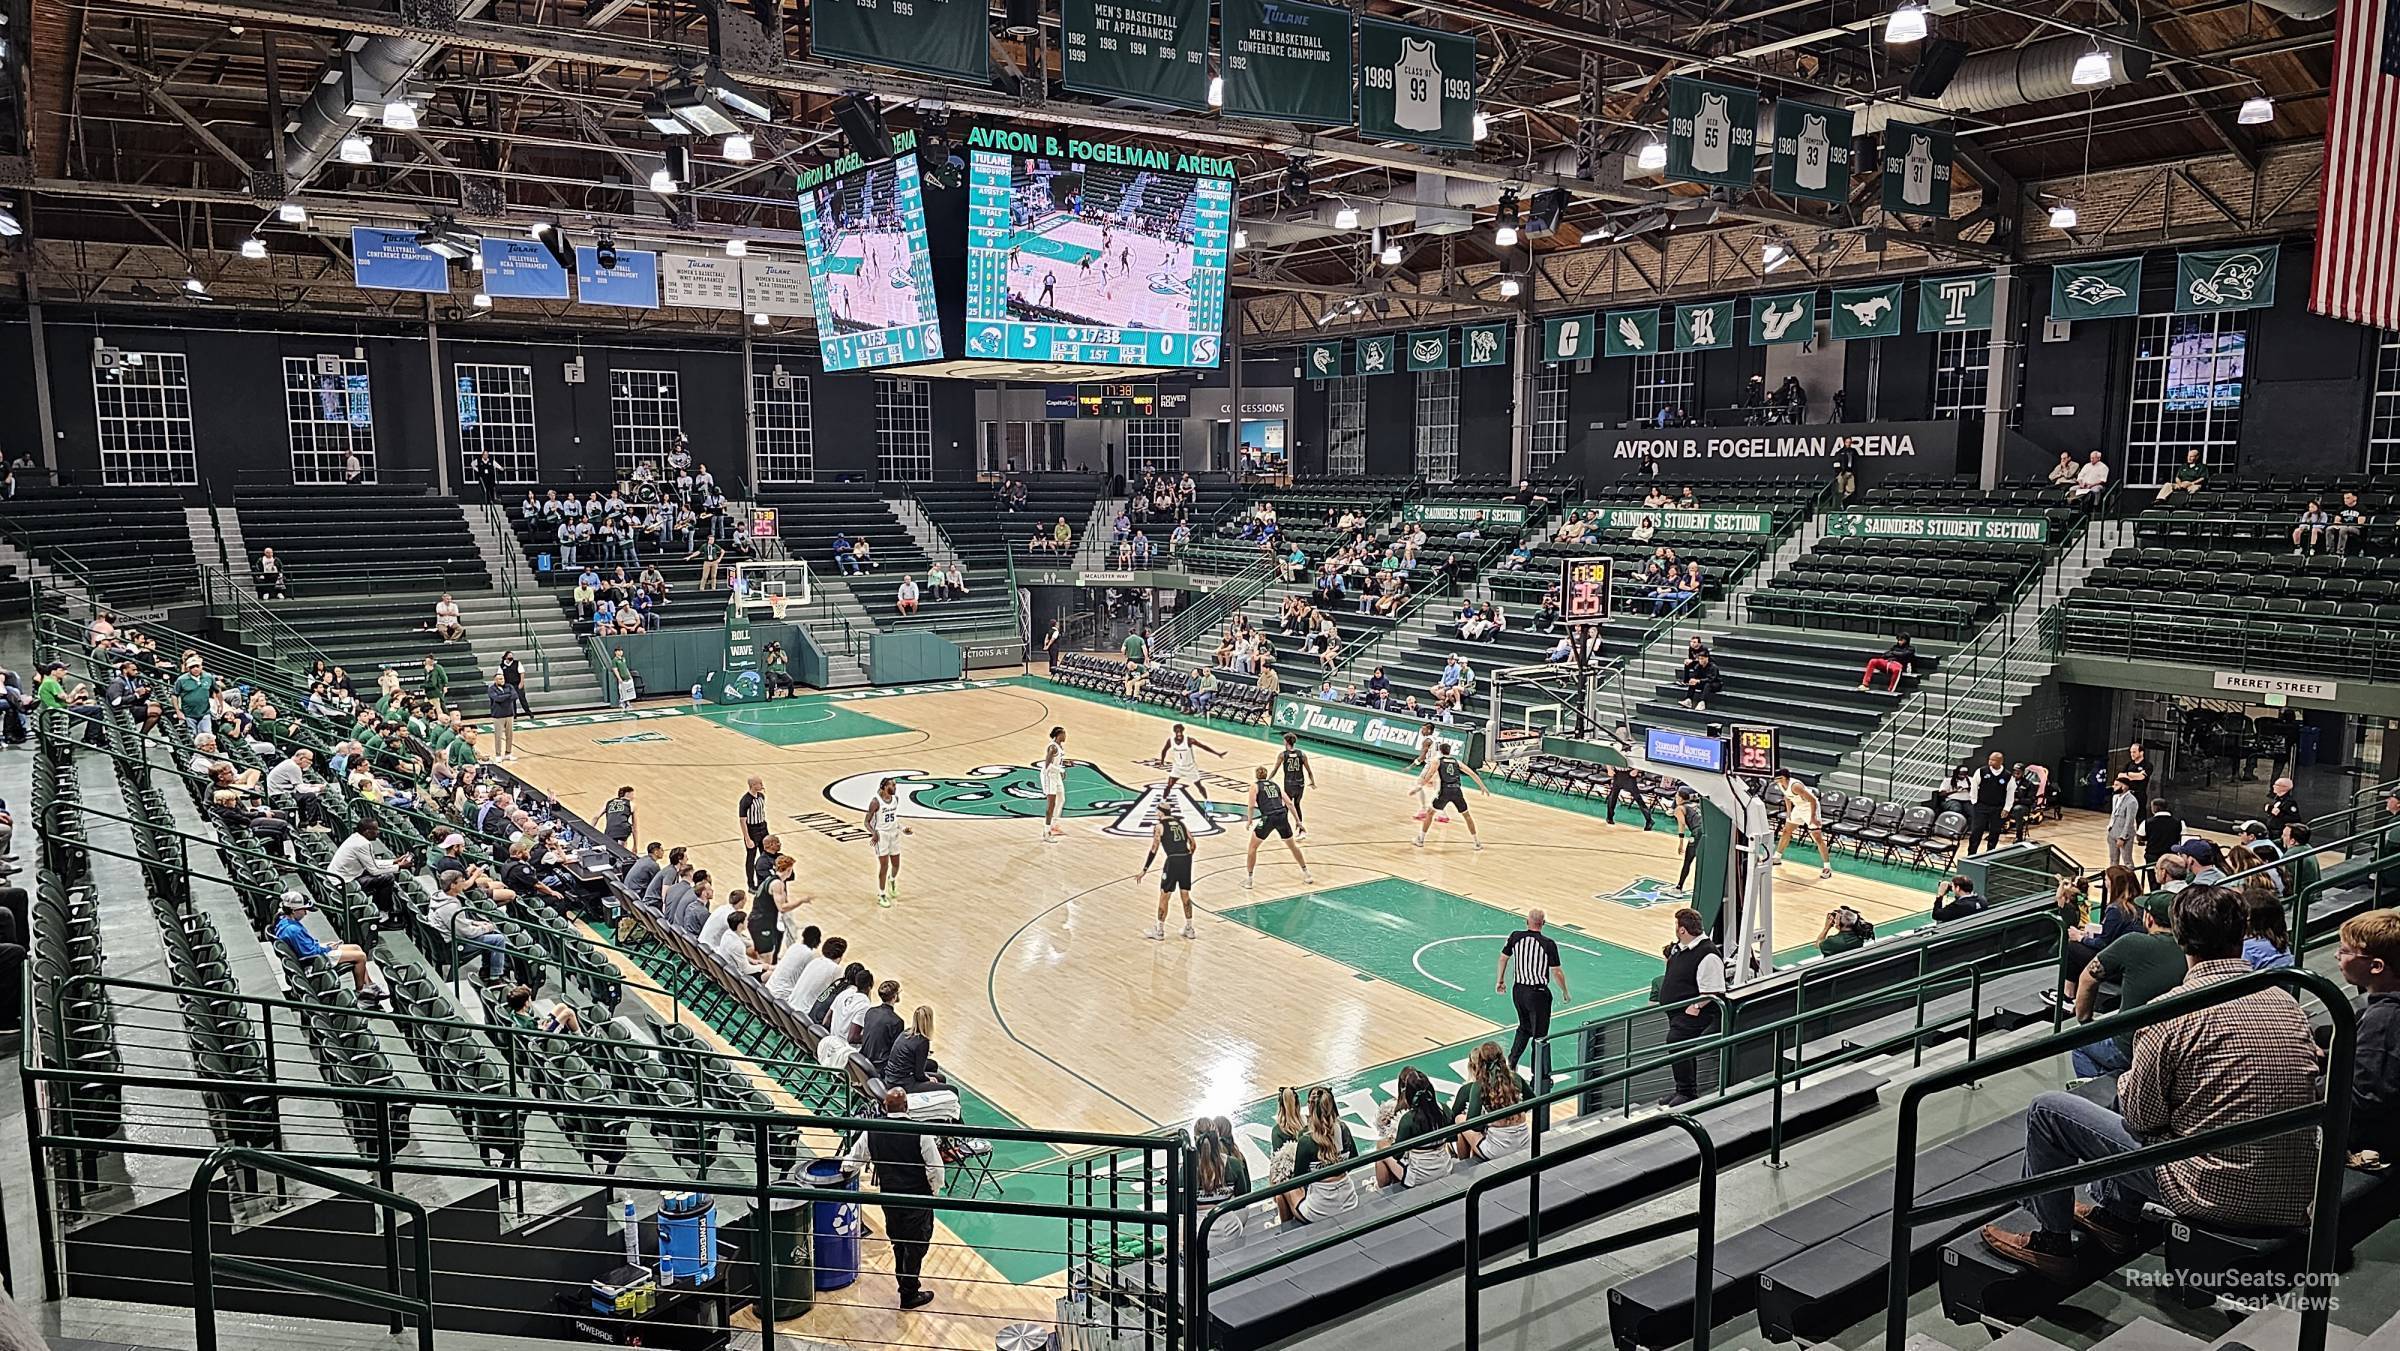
1900 659
819 975
733 944
2348 524
907 596
560 1018
864 553
1491 1087
291 776
1645 531
1203 691
2062 474
2144 966
2309 535
2369 957
1561 651
1062 537
910 1065
1701 681
2189 477
235 818
955 577
270 575
1687 499
292 932
1414 1114
845 553
445 620
2219 1066
2267 945
76 701
1322 1141
453 922
1957 899
2091 480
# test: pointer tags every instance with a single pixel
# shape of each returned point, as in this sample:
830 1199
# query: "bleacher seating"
363 540
687 607
2328 615
810 515
2248 512
970 517
1237 699
132 542
1806 683
1925 588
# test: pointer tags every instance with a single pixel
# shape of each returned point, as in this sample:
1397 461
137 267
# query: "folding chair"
969 1157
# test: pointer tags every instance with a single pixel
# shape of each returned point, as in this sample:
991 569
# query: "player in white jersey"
884 831
1054 783
1801 812
1916 172
1183 765
1426 741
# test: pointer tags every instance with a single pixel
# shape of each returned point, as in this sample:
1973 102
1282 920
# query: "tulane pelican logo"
1014 793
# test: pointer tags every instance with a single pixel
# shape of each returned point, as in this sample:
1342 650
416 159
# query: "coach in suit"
906 1164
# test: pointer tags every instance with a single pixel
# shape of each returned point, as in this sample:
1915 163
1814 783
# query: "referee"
1528 963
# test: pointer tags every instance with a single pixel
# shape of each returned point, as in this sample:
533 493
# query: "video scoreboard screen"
868 270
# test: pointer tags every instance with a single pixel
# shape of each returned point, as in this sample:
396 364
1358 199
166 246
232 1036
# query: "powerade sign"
1685 750
1366 729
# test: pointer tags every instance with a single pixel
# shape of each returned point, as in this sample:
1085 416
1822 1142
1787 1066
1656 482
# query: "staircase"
535 624
217 542
921 528
1091 547
828 609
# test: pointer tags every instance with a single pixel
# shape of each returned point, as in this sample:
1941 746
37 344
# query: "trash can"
784 1233
2305 744
836 1229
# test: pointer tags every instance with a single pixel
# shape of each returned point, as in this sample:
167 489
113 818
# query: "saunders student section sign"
1884 449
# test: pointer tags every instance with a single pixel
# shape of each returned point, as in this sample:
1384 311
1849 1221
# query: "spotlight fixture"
254 247
195 286
2062 217
736 148
1295 184
1023 20
1653 155
10 226
662 119
1776 252
399 114
1216 91
483 300
292 213
357 149
1906 24
674 170
2091 68
1391 253
2256 109
698 111
447 240
1505 234
554 242
1241 238
735 97
538 228
475 259
737 248
1483 124
604 252
759 319
1346 218
1509 288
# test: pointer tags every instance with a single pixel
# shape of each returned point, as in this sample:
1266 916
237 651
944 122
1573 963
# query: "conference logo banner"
1378 356
2225 279
393 260
1152 50
1784 318
1713 522
1629 333
1812 152
1946 304
1429 350
1712 132
1957 529
1321 360
632 284
1464 513
1287 61
939 37
1483 345
1415 84
1704 328
1568 338
2110 289
521 269
1916 170
1867 312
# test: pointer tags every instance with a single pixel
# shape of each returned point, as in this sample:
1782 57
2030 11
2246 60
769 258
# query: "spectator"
881 1025
2282 808
2308 535
193 689
292 931
360 859
1492 1086
1695 972
1900 659
290 778
845 554
907 597
797 957
1844 930
864 552
819 975
2348 523
234 816
559 1018
910 1065
2161 832
454 924
501 699
2302 872
1323 1142
1203 691
1415 1113
1701 680
906 1164
270 575
2143 966
2124 819
2062 474
2267 942
2369 956
2190 476
446 625
2091 480
1957 899
620 675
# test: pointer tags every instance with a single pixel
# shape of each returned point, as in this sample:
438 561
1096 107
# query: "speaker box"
1935 67
861 122
1541 218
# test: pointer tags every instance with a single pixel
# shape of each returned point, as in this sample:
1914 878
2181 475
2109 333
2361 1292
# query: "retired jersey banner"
1812 152
1483 345
2225 279
1966 529
1784 318
1704 328
1429 350
1287 61
1377 356
1712 132
1415 84
1320 360
1569 338
2109 289
1916 170
1629 333
1867 312
1947 304
1155 51
940 37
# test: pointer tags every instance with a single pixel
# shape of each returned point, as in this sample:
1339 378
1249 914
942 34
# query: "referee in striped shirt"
1528 963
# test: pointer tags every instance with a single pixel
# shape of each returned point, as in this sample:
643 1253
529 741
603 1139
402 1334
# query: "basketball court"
1144 282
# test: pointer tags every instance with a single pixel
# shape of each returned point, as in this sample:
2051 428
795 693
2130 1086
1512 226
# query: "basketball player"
884 831
1298 776
1054 783
1442 775
1049 288
1801 811
1169 832
1182 765
1424 757
1270 813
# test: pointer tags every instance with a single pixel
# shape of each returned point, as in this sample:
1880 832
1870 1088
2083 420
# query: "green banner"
1784 318
1429 350
737 681
1966 529
1483 345
1364 728
1461 513
1812 152
1629 333
1287 61
1714 522
941 37
1867 312
1155 51
1947 304
1415 84
1916 170
1712 132
1568 338
1321 360
2225 279
1378 356
2108 289
1704 328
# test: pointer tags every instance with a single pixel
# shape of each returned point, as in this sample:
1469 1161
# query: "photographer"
1845 930
1957 899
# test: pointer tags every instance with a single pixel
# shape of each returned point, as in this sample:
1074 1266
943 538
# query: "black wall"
1486 413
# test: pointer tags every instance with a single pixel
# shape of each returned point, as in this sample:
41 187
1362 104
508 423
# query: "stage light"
449 241
1505 233
736 148
1391 253
2062 217
1653 154
254 247
10 226
357 150
1346 218
604 252
2091 68
759 319
1241 238
1906 24
1483 124
1509 288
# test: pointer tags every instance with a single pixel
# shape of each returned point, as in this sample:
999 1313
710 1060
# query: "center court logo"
1014 793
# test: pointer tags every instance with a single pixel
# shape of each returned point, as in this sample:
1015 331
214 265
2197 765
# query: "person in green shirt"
2144 965
437 680
192 689
621 671
1845 930
2190 477
1136 644
711 556
2302 872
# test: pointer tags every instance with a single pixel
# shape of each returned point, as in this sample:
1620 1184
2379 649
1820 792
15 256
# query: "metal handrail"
2001 655
207 1265
495 515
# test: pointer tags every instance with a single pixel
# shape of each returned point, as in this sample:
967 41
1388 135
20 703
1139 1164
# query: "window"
645 414
1016 447
146 420
787 450
1346 427
1153 444
2187 392
1437 426
1549 420
2383 418
495 415
903 429
1666 380
1962 367
331 418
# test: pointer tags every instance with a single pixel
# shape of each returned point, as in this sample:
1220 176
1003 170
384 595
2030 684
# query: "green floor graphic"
1043 246
799 722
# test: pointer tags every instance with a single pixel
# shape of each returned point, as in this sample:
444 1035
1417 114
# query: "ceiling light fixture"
538 228
1346 218
1598 233
1776 254
1216 91
292 213
737 248
357 150
445 239
604 252
736 148
662 119
1483 124
2256 109
1241 238
1504 233
2062 217
1391 253
1509 288
195 286
699 112
759 319
1653 155
2093 67
399 115
1906 24
254 247
483 300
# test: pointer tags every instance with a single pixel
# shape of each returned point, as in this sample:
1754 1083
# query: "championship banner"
775 287
1712 132
2225 279
1629 333
1378 356
939 37
1429 350
1867 312
1483 345
1946 304
700 281
1583 589
1568 338
1287 61
1916 170
1713 522
1321 360
521 269
1812 152
1415 84
2110 289
1509 514
631 284
1956 529
1784 318
1365 729
393 260
1704 328
1155 51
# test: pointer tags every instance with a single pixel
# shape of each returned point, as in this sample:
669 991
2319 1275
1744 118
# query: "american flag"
2358 232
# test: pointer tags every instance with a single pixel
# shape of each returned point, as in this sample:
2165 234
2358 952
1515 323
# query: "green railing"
208 1264
2340 646
1193 622
232 603
510 584
1917 741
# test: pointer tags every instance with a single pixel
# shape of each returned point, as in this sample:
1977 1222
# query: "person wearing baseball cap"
292 931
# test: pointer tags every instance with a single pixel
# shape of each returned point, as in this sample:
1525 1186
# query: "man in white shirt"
733 942
818 976
290 776
358 860
2091 480
846 1019
795 960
